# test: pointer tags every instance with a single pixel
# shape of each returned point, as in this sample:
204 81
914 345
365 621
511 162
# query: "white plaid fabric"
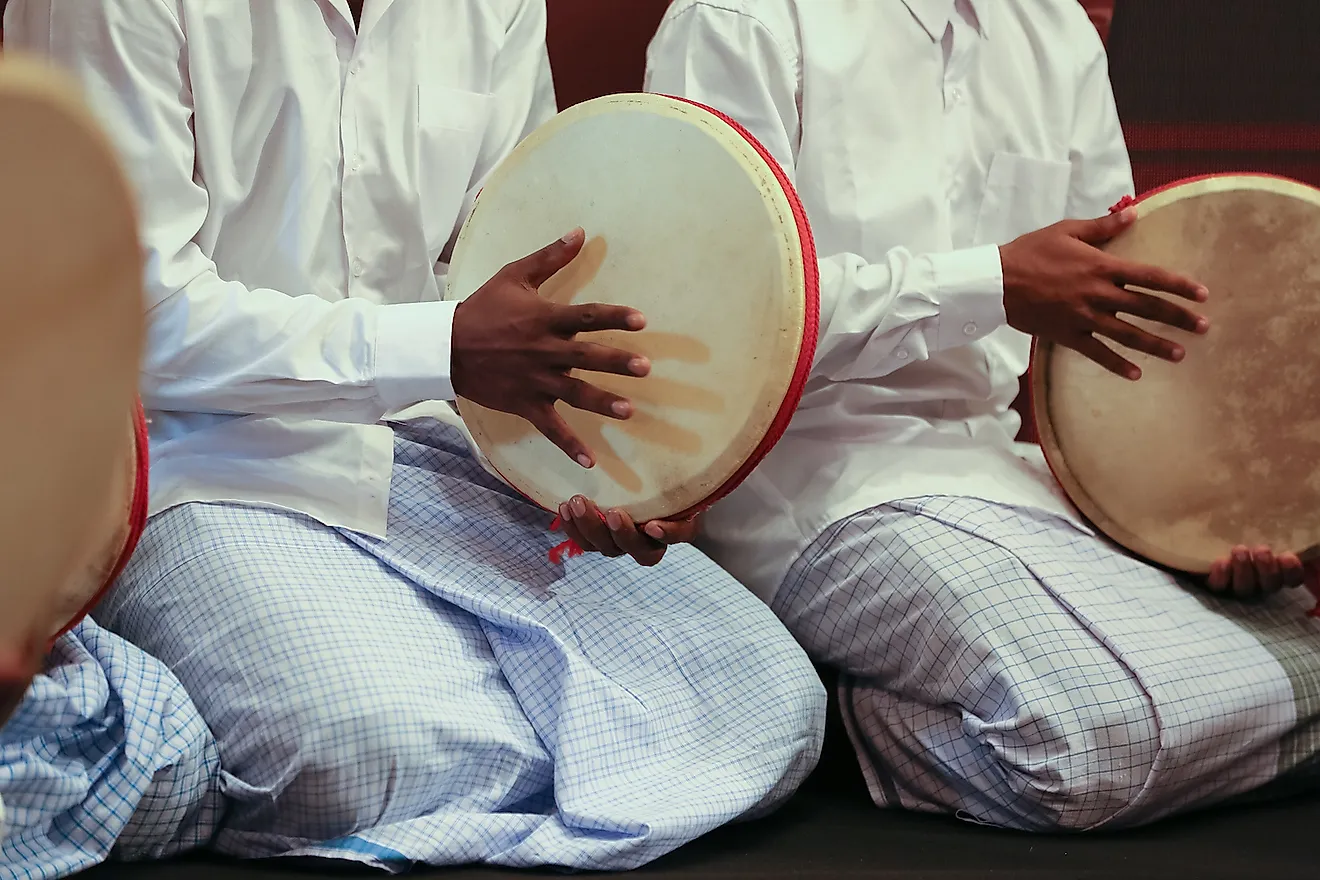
449 695
106 750
1001 664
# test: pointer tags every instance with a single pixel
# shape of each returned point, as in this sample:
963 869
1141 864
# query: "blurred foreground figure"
99 742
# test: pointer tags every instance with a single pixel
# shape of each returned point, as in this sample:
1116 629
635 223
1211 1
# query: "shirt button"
969 328
901 354
353 71
357 268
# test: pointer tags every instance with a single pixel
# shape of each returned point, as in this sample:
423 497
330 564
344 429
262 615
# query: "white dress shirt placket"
349 44
960 45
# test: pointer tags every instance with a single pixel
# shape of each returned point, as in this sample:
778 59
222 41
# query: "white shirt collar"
372 10
934 15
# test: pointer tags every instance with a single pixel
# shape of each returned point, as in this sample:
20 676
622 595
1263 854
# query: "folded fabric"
107 754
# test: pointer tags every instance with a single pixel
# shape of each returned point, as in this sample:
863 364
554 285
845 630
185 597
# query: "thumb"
1103 229
538 268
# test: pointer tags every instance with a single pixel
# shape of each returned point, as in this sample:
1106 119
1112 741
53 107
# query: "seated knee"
1076 771
325 774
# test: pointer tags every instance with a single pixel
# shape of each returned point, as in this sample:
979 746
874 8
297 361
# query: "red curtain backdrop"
1207 86
598 47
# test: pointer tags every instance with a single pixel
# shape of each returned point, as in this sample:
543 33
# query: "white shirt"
921 134
300 185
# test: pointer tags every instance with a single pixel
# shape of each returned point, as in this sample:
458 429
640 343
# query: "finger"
557 431
1133 337
538 268
1291 571
1158 309
1102 229
1155 278
1106 357
603 359
590 317
584 396
637 545
1268 578
589 521
667 532
1244 573
1218 579
572 532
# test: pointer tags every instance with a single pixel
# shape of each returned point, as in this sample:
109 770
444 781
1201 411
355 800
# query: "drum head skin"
71 331
690 221
1223 448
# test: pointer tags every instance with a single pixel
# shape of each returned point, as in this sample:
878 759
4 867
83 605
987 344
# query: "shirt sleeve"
1101 167
876 317
216 345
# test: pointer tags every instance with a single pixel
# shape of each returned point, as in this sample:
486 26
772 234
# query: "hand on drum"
513 350
1060 286
614 534
1248 572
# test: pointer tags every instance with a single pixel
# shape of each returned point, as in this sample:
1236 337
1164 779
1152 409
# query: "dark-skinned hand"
1059 286
513 350
1248 572
614 533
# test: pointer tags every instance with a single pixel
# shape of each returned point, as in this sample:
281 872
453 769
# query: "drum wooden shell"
122 518
1223 448
691 221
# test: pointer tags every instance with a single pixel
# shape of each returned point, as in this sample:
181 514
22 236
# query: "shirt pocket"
1022 194
451 124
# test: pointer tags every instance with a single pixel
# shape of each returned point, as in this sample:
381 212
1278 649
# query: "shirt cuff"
414 343
969 285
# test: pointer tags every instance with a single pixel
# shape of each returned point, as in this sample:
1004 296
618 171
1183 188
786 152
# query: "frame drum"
72 455
689 220
1224 448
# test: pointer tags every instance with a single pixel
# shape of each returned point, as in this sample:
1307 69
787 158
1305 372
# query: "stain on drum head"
687 222
1223 448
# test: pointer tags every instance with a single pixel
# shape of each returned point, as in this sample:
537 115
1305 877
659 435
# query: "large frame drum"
1222 449
691 221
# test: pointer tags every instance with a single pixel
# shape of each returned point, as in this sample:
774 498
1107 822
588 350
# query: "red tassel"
1125 202
567 550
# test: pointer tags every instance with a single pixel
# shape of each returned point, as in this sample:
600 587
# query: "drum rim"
1047 439
137 518
811 320
810 330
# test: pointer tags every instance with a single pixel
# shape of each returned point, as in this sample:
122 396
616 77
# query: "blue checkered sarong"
449 695
1001 664
105 751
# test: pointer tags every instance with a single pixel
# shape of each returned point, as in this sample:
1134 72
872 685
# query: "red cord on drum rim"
137 516
806 355
1312 569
